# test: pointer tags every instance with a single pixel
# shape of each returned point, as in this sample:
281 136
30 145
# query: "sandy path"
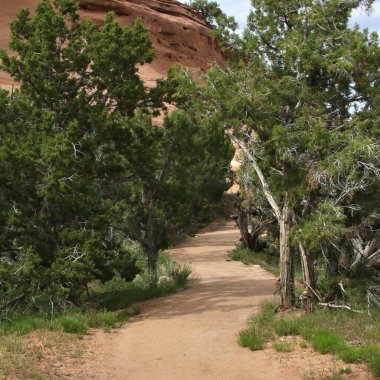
192 335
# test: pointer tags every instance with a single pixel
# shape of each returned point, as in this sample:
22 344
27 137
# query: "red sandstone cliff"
178 34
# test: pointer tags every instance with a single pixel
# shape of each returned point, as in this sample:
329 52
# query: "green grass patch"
252 339
72 325
286 327
327 342
260 330
371 355
349 354
74 321
283 346
352 337
22 326
265 260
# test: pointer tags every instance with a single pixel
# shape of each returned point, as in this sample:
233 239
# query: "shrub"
266 315
180 274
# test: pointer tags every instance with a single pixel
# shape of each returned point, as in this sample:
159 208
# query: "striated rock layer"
178 34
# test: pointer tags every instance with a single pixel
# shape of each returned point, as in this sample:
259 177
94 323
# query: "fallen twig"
12 301
334 306
316 293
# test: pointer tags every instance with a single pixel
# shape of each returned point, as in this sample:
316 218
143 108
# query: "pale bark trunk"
308 270
366 254
286 281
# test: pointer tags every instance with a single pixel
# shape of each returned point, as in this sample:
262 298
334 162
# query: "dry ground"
192 335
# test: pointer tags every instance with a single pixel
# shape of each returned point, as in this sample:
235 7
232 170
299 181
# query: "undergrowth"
118 294
352 337
108 306
264 259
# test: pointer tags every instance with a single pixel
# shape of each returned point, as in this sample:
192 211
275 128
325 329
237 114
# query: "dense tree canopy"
303 107
83 168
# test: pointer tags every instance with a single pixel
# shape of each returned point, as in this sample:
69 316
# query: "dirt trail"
192 335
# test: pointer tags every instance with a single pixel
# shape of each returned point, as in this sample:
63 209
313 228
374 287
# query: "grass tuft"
265 260
260 332
283 347
251 339
349 354
327 342
72 325
371 354
286 327
24 326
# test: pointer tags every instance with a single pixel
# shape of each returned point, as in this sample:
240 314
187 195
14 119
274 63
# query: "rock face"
178 34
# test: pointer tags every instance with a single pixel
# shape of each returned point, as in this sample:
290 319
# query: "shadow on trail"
219 294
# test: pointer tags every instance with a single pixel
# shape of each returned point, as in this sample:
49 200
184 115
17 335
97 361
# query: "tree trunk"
332 266
243 223
286 283
151 244
308 270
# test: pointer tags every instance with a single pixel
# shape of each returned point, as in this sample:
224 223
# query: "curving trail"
192 335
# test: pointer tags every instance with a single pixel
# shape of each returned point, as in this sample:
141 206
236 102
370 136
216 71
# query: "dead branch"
316 293
334 306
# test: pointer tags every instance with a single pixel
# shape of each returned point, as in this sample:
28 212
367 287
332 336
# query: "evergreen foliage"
303 107
225 27
83 168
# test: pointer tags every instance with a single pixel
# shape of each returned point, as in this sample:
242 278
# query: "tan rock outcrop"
178 34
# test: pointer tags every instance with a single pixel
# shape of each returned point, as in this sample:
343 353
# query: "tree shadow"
219 294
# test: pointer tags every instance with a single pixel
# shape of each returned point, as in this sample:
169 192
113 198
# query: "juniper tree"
292 104
84 170
225 27
62 229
